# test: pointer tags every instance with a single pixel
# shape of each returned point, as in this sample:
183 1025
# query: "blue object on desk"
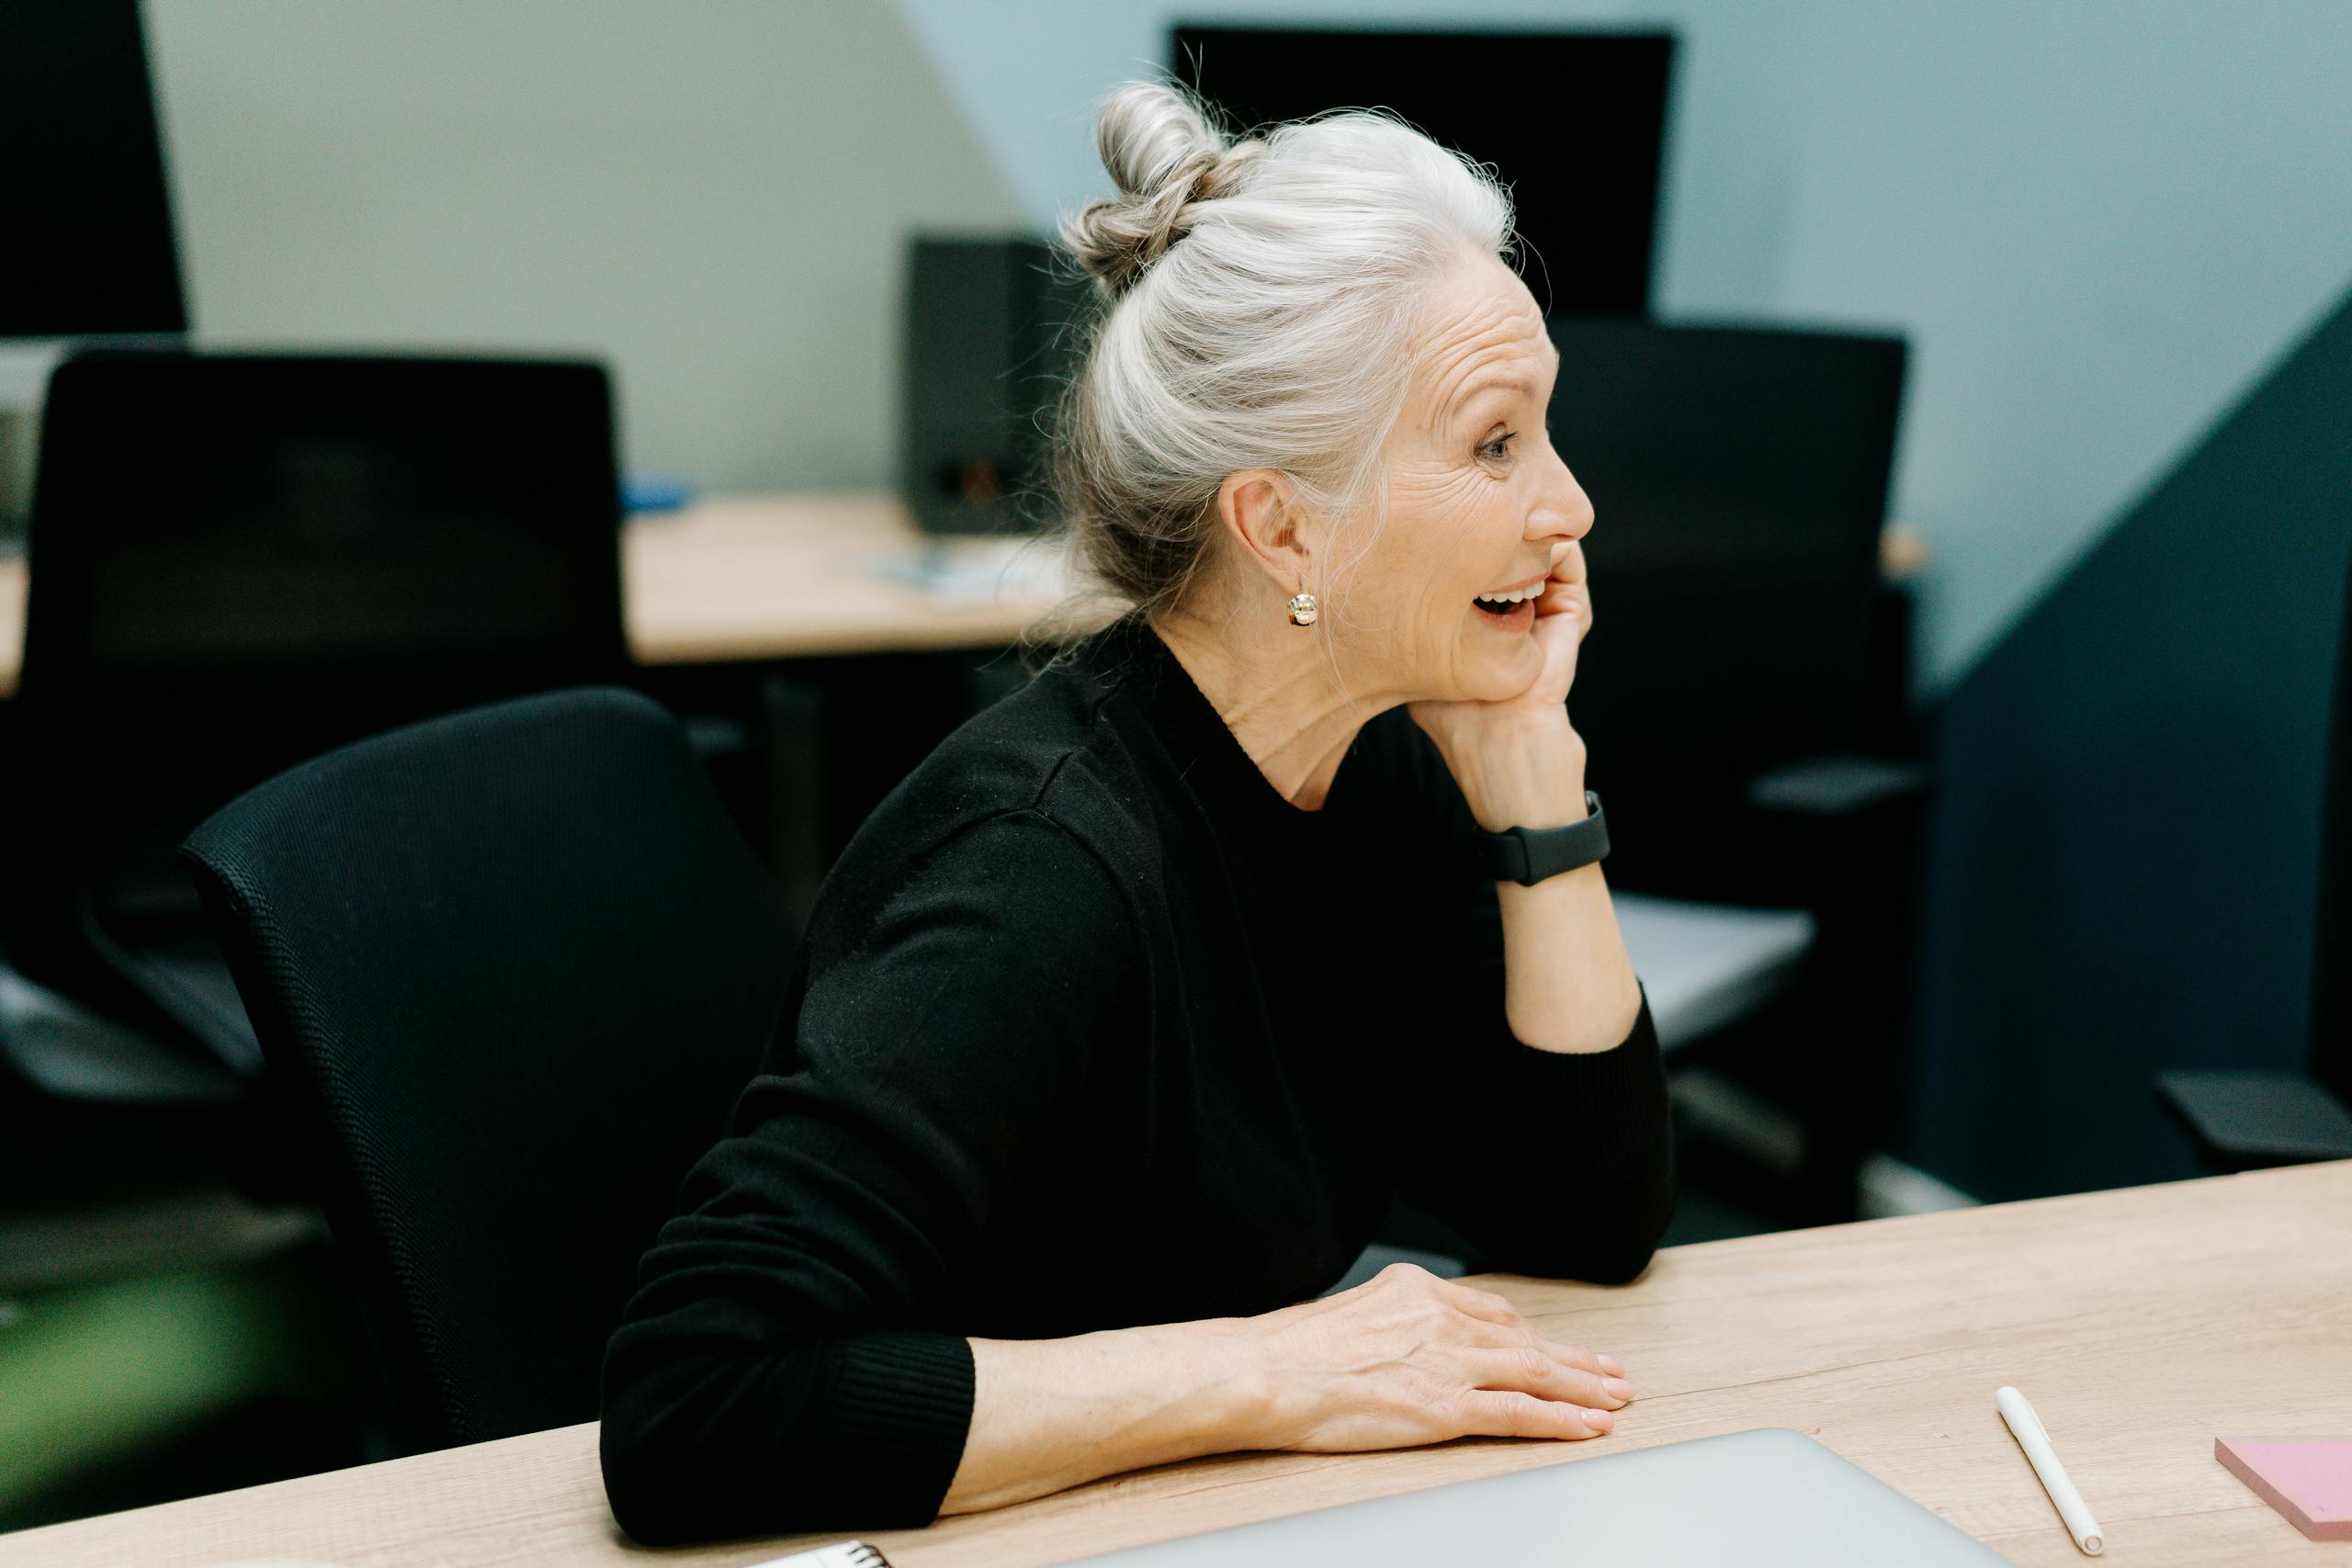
655 493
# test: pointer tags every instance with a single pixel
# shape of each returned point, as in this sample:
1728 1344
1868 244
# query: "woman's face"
1479 505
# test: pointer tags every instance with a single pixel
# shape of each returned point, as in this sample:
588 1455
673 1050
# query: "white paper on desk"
845 1554
953 573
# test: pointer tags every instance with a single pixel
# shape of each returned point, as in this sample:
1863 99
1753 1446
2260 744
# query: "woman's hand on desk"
1406 1359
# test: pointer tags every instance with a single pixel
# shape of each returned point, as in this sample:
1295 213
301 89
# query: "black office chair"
510 968
238 561
1767 852
2243 1120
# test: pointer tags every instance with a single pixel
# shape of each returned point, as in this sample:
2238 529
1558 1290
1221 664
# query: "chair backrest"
1740 478
510 968
241 560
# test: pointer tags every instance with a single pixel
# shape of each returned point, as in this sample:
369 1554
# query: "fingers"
1585 1360
1448 1359
1480 1304
1496 1413
1570 588
1488 1308
1532 1369
1562 598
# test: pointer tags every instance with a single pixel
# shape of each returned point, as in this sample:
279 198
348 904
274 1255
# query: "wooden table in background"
13 579
776 577
2143 1323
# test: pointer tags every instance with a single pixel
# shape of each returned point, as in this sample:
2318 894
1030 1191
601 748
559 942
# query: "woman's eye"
1500 447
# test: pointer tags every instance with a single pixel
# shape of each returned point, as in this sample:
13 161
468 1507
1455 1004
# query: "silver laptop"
1770 1499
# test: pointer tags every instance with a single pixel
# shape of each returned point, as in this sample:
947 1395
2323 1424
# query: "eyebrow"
1510 380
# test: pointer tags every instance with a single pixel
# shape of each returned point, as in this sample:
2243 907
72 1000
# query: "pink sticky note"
2307 1479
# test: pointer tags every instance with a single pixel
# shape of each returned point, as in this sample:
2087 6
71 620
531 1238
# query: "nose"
1562 510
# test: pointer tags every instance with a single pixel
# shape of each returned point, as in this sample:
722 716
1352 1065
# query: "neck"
1274 685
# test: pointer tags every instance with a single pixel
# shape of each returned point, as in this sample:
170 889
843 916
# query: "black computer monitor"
241 560
83 203
1739 477
1575 120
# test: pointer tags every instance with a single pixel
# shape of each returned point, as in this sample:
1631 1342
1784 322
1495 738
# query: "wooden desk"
13 579
770 577
2143 1323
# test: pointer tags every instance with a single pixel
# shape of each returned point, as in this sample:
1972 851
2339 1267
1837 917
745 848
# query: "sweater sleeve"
780 1367
1559 1164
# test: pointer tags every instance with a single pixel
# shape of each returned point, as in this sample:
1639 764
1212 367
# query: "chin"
1488 681
1499 676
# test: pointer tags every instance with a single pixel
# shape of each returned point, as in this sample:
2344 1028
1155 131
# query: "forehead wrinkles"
1496 330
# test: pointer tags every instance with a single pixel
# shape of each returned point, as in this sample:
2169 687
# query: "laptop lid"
1767 1498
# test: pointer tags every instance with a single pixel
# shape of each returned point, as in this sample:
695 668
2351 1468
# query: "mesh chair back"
510 968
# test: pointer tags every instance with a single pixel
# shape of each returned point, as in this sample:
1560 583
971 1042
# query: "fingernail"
1600 1420
1610 1364
1619 1387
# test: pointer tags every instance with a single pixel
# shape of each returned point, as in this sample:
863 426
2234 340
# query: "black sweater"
1093 1028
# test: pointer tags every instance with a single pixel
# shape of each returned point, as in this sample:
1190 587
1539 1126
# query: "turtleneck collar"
1204 750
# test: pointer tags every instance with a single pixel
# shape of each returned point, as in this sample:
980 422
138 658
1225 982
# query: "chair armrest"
1836 787
2243 1119
1707 965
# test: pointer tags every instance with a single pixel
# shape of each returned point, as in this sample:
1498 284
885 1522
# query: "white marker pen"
2034 1438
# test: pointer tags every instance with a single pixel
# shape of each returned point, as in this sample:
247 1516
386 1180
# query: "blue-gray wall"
2125 856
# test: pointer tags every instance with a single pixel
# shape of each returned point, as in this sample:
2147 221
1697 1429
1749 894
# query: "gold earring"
1303 609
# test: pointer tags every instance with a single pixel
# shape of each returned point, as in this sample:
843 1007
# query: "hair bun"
1164 153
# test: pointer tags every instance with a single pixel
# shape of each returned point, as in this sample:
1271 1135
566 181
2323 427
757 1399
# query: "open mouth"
1513 608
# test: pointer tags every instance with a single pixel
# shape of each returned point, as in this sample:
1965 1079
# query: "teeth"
1513 597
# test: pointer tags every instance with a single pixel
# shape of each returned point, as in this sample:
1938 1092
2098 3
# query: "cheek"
1442 550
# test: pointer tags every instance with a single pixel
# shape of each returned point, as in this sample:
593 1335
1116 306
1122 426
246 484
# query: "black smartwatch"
1528 855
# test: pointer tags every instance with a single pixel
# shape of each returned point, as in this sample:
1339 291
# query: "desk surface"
776 577
2143 1323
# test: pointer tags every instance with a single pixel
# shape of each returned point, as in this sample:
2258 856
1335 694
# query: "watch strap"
1530 855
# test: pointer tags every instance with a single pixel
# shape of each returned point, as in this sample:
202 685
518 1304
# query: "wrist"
1238 1395
1524 775
1275 1404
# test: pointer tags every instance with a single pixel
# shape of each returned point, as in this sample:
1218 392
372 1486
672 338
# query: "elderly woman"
1116 1028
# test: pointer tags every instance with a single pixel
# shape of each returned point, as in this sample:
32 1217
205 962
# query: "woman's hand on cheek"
1518 760
1562 615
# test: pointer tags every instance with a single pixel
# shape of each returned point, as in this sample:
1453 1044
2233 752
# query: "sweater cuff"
1627 1080
897 1406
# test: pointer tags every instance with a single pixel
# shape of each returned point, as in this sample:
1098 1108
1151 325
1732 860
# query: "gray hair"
1258 297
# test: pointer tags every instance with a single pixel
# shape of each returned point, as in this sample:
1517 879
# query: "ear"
1269 527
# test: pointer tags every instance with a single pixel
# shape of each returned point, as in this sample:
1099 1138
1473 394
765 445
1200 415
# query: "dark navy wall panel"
2122 860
